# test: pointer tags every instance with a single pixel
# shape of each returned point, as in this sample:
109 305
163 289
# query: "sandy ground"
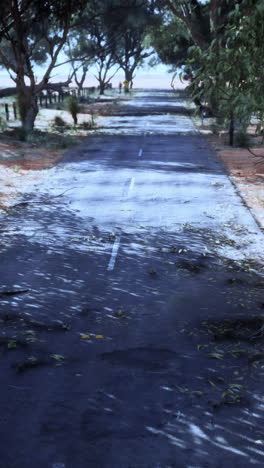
247 174
21 167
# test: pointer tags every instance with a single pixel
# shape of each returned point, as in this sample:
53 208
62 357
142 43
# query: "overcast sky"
146 77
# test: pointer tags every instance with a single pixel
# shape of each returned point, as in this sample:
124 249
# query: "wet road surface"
137 341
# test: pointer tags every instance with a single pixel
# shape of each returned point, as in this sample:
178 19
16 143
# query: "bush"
63 142
242 139
73 107
215 129
21 133
37 137
88 125
58 124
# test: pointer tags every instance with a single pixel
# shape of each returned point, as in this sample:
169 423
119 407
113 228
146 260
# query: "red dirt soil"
247 173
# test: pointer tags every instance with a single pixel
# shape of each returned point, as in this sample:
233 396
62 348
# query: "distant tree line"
217 45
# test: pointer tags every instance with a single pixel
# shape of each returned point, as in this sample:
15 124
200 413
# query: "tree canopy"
32 33
217 43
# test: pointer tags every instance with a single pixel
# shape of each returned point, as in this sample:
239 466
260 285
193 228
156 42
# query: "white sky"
146 77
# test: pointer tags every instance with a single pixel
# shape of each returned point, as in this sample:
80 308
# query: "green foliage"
242 140
34 32
229 73
88 125
171 42
64 142
73 107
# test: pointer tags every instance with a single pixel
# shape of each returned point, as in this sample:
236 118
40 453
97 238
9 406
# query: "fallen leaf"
212 383
216 355
57 357
85 337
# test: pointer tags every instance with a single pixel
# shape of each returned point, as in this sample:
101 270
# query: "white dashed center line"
112 261
116 245
131 186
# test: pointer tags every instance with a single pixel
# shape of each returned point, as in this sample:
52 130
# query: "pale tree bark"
80 81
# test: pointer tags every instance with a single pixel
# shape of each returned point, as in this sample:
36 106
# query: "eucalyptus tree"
171 41
31 33
104 56
92 44
133 25
114 38
79 53
131 53
222 54
234 65
204 19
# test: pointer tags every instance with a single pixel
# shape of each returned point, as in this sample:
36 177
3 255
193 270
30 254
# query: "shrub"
58 124
88 125
73 107
242 139
37 137
21 133
63 142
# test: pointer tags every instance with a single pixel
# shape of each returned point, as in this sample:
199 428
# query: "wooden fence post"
15 110
7 111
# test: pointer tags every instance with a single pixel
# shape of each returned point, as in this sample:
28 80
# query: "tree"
79 54
130 53
218 60
171 40
135 22
34 33
103 51
115 36
91 44
234 66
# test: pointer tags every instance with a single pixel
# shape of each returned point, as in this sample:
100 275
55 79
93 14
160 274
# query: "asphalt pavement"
131 305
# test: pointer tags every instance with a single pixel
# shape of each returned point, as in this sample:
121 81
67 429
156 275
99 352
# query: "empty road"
136 339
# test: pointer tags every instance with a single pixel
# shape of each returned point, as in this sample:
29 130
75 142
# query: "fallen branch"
13 293
254 154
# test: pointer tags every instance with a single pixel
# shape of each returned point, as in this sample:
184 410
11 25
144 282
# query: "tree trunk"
128 75
231 130
28 108
102 88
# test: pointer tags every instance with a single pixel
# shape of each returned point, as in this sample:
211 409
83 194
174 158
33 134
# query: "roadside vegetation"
215 45
218 45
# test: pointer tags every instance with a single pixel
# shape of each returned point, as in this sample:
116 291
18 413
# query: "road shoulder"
246 171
